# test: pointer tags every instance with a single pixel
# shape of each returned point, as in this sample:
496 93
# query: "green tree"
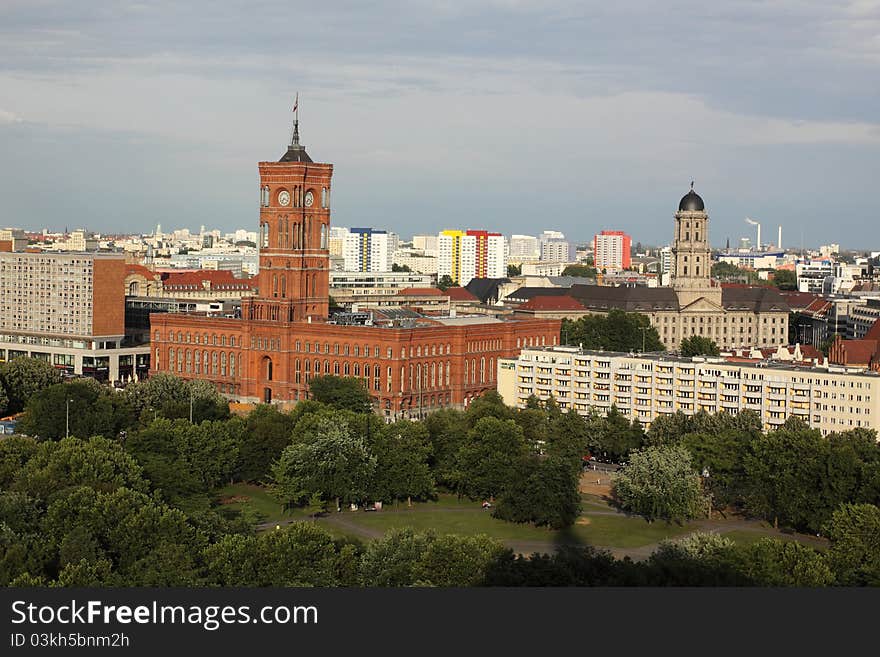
23 377
784 470
785 279
854 555
487 459
300 554
402 450
88 407
53 467
772 562
447 431
393 560
613 331
697 345
514 270
613 436
660 483
171 397
579 271
336 465
446 282
345 393
182 459
396 267
267 432
452 560
542 491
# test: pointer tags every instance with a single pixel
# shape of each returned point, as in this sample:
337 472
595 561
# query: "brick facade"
284 339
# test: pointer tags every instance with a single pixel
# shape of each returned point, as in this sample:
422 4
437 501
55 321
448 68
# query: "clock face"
284 198
309 199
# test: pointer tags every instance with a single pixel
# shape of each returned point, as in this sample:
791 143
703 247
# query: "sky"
508 115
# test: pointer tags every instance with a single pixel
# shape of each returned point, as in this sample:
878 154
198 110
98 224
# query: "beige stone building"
649 385
732 316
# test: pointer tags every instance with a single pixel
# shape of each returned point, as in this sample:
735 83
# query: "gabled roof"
550 303
460 294
485 288
873 332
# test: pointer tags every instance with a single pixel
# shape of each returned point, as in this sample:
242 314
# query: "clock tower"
294 278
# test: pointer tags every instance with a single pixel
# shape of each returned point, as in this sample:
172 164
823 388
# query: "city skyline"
129 115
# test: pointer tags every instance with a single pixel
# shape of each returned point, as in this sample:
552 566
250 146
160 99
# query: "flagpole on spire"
294 139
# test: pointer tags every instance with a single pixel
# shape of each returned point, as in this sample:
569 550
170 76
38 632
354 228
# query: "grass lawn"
450 516
242 496
625 532
745 537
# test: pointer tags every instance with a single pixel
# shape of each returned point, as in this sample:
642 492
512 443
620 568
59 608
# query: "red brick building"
411 365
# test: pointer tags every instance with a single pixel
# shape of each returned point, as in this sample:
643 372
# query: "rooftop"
664 357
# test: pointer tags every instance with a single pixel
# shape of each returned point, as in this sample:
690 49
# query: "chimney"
779 239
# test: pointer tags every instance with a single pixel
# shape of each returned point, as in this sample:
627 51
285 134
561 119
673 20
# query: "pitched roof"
546 302
525 293
221 279
485 289
139 269
460 294
873 332
756 298
799 300
639 298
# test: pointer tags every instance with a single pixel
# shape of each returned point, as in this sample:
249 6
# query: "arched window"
284 286
134 289
323 236
483 370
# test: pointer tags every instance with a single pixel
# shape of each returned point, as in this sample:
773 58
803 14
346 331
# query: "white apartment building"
649 385
611 250
811 274
557 251
415 260
464 255
427 244
524 247
366 249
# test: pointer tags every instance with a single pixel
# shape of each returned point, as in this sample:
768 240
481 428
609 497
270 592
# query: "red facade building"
410 365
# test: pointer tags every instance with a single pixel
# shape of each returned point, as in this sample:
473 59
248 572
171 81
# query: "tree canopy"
613 331
697 345
660 483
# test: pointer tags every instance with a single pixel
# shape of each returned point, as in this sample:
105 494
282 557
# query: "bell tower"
691 252
294 278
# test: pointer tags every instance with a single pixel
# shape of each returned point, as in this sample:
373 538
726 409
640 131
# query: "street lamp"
644 330
708 492
67 417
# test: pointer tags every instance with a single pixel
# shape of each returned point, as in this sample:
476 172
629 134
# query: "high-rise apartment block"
366 249
463 255
611 250
69 310
524 247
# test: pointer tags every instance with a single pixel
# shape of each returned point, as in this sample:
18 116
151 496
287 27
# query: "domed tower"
691 252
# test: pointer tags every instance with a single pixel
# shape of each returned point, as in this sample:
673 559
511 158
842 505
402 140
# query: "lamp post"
708 492
644 330
67 417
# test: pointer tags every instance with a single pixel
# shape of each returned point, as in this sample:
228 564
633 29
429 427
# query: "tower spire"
294 139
